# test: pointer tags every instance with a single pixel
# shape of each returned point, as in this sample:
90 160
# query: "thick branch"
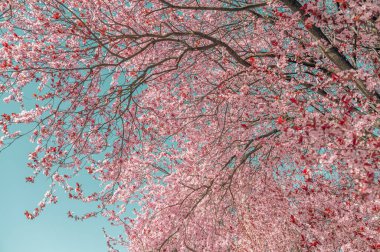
331 51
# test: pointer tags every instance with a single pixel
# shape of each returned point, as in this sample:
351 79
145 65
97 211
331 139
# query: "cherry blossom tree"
235 125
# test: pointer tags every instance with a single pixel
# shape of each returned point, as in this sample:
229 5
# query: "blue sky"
52 231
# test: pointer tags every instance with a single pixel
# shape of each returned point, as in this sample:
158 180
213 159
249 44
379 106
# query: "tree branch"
247 7
331 51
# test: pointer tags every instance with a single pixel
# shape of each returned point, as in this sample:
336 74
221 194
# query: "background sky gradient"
52 231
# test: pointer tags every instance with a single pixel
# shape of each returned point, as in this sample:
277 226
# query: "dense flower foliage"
235 125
